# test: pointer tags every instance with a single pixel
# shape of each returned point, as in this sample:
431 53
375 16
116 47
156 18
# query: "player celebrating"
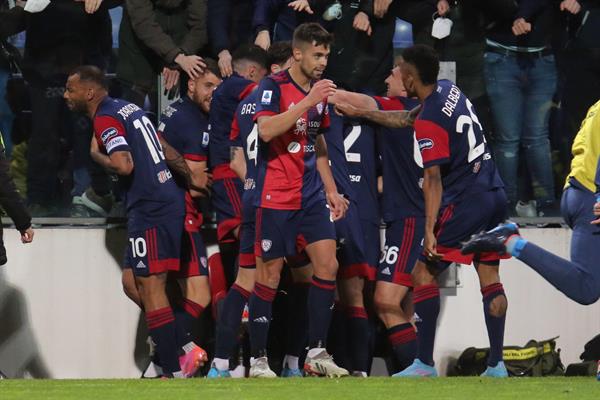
184 125
292 114
244 153
578 279
249 65
126 143
403 211
458 172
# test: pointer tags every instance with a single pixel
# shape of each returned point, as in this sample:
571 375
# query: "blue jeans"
520 93
6 116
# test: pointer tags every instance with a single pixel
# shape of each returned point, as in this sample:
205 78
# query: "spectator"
229 27
52 49
580 68
159 37
520 76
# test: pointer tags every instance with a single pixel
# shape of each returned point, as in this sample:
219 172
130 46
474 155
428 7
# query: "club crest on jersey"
425 144
293 147
266 97
300 126
108 134
320 108
266 244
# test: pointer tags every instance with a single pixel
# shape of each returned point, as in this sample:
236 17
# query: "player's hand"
361 23
412 115
263 39
27 235
443 7
170 78
94 147
225 64
320 90
429 247
301 6
192 65
521 27
338 205
348 110
380 7
571 6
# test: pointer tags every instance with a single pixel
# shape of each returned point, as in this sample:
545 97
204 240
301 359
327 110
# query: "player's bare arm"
237 161
177 163
390 119
119 162
358 100
270 127
337 203
432 191
201 176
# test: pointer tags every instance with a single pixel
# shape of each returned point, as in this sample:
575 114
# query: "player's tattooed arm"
237 161
119 162
177 163
390 119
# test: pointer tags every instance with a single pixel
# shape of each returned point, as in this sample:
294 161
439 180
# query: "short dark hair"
91 73
279 53
251 52
213 67
311 33
426 61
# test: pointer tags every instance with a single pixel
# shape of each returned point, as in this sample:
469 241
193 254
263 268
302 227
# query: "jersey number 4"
252 143
150 137
476 148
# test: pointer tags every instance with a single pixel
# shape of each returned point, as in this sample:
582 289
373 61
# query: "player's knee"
245 280
421 276
326 268
498 306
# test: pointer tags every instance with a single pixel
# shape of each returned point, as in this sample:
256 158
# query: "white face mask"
333 12
441 28
35 6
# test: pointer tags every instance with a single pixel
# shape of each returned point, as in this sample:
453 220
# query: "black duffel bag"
536 358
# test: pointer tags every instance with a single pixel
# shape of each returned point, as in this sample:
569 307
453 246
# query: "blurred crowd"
531 67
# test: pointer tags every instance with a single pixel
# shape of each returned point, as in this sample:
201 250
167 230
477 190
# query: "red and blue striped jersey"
287 172
450 135
151 194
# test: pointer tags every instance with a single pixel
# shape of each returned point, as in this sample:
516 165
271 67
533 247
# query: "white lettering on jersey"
114 142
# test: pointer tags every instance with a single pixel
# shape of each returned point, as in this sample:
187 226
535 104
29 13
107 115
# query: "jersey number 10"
150 137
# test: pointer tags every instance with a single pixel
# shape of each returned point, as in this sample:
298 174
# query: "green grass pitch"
307 388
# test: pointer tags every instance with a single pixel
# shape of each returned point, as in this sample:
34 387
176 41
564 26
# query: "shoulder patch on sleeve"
266 97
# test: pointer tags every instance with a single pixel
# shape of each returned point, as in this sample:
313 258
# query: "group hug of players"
294 165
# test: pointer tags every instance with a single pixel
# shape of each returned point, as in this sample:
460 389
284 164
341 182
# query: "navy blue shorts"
193 253
351 253
155 250
278 232
457 222
403 246
227 203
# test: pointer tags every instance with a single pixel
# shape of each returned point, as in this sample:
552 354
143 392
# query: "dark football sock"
161 324
259 319
403 339
426 299
320 305
358 324
495 325
230 320
297 323
186 321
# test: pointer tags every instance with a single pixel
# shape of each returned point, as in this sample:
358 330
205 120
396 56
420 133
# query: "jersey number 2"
475 150
150 137
349 141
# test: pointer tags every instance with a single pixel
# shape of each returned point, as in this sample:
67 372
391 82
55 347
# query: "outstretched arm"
390 119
